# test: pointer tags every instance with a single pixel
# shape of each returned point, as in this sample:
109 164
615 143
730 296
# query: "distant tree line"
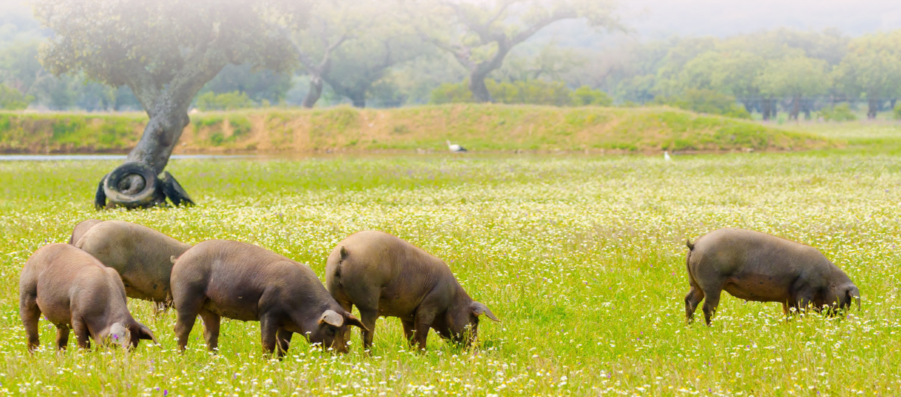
423 51
780 70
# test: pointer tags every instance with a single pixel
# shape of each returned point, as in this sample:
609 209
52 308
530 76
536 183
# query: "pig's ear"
479 309
350 320
332 318
146 333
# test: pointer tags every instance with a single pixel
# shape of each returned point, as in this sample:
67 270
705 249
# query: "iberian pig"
241 281
75 291
81 228
386 276
142 256
759 267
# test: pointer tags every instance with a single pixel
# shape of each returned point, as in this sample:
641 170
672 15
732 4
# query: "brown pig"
759 267
142 256
75 291
241 281
386 276
81 228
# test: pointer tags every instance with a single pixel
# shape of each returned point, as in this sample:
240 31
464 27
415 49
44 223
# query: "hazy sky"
727 17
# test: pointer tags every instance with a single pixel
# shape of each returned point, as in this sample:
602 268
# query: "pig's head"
331 330
843 295
462 322
126 336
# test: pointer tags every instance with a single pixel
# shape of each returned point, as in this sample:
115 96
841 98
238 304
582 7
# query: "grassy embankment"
582 258
483 128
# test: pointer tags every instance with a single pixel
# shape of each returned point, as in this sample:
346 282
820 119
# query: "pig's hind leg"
694 297
31 314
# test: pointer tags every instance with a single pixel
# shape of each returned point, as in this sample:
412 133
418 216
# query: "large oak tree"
165 51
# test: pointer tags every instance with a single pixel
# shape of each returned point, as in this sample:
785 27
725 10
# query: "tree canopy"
480 34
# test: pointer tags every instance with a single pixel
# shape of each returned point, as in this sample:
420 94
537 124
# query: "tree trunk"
167 121
315 92
478 88
796 107
767 103
872 108
358 99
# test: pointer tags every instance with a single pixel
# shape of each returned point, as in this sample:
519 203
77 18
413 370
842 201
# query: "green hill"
477 127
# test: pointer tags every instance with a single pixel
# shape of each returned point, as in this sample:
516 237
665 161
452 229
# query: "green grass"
582 258
484 128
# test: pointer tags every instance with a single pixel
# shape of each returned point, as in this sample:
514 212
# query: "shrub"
707 101
840 112
584 96
451 93
226 101
897 112
13 99
532 92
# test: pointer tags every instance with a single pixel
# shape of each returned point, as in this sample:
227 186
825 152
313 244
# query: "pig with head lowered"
75 291
241 281
386 276
142 256
759 267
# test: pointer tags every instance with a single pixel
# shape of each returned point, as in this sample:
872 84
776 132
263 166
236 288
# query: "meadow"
581 257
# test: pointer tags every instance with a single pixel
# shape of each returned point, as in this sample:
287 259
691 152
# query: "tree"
164 51
480 34
871 69
349 50
796 77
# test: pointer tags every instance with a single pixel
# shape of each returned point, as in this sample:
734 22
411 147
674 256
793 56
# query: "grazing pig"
81 228
759 267
386 276
242 281
75 291
142 256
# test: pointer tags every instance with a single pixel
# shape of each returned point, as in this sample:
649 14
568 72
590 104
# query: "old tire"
143 198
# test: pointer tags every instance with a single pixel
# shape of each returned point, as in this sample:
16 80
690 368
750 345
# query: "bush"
13 99
531 92
451 93
708 101
840 112
897 112
584 96
226 101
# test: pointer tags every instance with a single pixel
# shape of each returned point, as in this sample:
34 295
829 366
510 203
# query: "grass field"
483 128
582 258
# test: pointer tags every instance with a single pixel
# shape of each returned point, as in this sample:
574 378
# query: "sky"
656 18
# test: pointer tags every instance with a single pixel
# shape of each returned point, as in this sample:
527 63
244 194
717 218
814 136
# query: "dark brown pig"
75 291
142 256
759 267
241 281
386 276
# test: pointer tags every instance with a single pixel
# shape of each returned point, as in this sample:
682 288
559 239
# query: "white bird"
666 156
454 148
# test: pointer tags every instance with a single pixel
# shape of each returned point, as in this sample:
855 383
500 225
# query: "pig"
81 228
386 276
75 291
759 267
142 256
241 281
